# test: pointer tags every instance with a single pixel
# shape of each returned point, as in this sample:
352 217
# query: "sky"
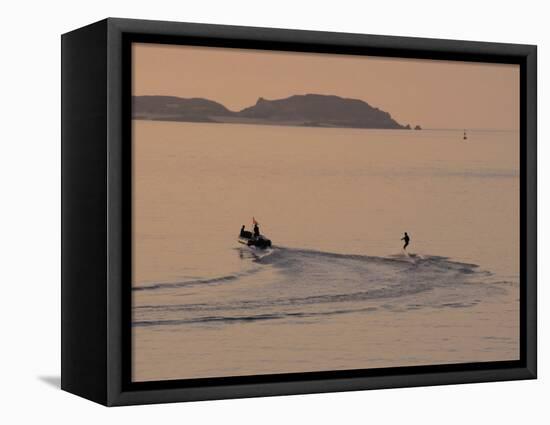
432 94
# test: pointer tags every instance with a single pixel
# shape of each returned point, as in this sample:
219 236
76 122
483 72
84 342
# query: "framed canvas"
253 212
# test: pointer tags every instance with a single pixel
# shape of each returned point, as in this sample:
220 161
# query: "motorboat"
248 239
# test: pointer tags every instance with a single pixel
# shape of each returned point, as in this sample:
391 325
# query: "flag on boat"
254 221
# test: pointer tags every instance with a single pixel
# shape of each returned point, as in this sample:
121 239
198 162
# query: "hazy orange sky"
433 94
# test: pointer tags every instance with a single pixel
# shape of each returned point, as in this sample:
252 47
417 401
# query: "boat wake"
300 285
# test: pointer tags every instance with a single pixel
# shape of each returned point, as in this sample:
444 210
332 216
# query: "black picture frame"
96 211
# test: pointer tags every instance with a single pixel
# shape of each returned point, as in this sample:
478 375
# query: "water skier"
406 239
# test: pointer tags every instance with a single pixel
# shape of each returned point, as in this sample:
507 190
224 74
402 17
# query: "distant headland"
310 110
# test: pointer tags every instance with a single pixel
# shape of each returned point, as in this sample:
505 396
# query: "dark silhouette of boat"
248 239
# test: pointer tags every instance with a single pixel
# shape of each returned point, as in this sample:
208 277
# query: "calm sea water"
336 291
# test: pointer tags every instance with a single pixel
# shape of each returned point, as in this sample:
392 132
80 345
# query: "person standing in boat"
242 234
256 228
406 239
